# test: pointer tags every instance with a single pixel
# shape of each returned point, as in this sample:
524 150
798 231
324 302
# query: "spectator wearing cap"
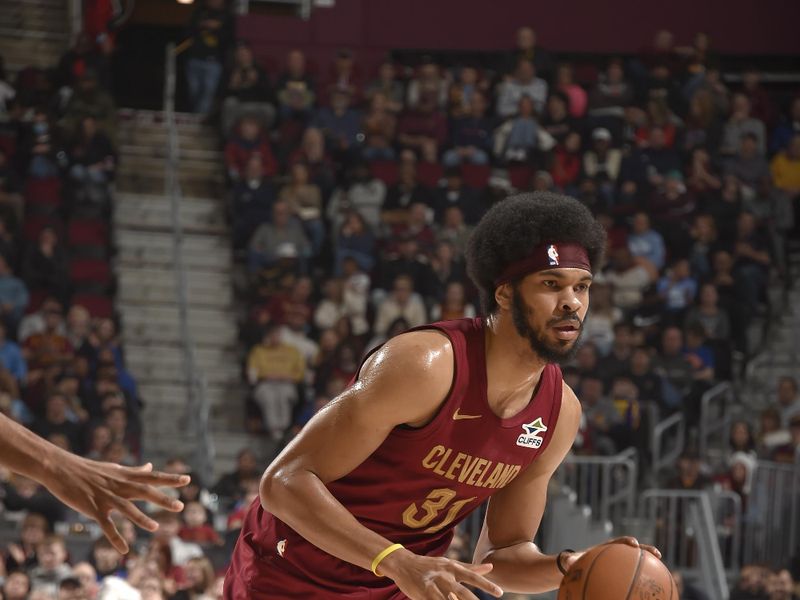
339 122
740 122
13 296
379 128
602 162
470 135
247 90
422 128
295 89
523 83
283 232
274 369
211 31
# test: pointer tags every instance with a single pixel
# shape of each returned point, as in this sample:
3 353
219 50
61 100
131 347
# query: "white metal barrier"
716 416
666 445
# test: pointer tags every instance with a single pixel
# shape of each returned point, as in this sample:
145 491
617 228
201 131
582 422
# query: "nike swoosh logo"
458 416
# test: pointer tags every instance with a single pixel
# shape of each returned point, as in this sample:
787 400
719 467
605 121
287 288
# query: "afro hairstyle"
512 228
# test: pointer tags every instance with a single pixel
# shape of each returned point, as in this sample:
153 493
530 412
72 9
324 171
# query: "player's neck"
510 361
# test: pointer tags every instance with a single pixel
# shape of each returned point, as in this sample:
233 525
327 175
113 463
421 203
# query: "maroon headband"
546 256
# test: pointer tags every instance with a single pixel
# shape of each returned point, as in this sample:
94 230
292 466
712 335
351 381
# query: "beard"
560 351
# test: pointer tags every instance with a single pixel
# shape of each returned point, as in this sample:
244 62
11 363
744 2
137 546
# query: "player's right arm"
405 382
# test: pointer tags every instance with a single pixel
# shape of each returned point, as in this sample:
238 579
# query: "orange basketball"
618 572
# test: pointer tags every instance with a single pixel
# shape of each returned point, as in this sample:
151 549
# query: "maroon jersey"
414 489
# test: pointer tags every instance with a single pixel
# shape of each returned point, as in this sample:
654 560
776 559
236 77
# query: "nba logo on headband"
552 255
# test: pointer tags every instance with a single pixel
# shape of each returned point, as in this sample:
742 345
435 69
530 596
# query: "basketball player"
90 487
362 504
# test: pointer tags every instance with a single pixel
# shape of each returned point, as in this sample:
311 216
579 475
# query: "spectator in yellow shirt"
275 370
785 168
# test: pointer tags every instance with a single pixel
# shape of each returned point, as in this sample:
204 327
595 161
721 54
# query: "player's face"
548 310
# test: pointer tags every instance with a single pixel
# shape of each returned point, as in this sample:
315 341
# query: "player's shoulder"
423 356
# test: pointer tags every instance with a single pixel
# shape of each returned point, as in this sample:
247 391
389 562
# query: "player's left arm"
515 513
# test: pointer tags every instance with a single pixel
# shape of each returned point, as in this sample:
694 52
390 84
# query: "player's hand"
629 540
98 488
437 578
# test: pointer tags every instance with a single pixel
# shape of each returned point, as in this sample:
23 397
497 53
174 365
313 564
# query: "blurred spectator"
751 170
565 83
517 140
454 230
180 551
687 591
48 351
58 420
524 83
785 168
752 583
211 33
642 375
740 122
454 192
423 129
446 268
615 362
400 196
401 302
427 87
200 581
93 161
409 260
787 452
677 288
787 128
10 200
387 84
338 303
601 415
339 122
312 152
611 94
253 196
284 236
295 89
40 147
602 162
305 201
51 555
556 119
247 90
11 358
674 368
689 474
13 296
249 140
45 266
17 586
35 322
90 100
196 528
707 313
379 127
470 134
454 305
463 90
274 369
231 485
526 48
703 123
751 270
566 166
599 328
787 399
356 241
7 91
646 244
20 555
362 193
628 278
742 439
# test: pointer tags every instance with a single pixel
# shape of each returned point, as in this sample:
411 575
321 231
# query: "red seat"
476 176
98 305
90 271
35 300
87 232
429 174
385 170
43 191
34 224
520 177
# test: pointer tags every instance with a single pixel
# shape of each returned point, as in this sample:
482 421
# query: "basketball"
618 572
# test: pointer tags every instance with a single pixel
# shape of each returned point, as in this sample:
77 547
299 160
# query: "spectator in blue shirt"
13 296
471 135
340 123
11 357
646 243
677 288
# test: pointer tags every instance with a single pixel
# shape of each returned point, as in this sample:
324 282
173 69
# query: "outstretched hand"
98 488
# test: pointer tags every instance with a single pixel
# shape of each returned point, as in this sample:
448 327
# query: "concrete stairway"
33 32
147 293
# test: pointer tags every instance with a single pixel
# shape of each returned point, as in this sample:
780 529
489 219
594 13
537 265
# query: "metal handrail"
607 484
197 405
660 456
715 415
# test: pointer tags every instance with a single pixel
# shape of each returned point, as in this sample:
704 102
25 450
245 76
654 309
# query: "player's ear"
503 295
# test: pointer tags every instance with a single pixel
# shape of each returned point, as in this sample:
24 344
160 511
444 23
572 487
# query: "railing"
607 484
771 521
666 444
716 417
694 537
197 406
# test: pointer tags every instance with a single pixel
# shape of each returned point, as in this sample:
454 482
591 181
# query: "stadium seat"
43 191
98 305
92 273
429 174
34 224
385 170
520 177
88 238
35 299
476 176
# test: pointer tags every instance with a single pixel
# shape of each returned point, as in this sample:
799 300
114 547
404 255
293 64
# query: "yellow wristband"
383 554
